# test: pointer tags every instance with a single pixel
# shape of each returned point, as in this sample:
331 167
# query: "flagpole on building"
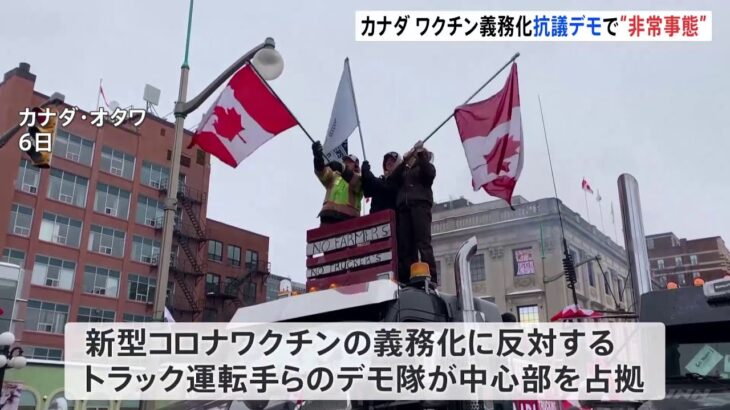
514 57
357 114
600 210
585 196
613 221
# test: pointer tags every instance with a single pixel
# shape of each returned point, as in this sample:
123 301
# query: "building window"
89 314
154 175
660 264
522 262
28 400
209 315
252 260
272 288
693 260
145 250
249 291
591 275
234 255
21 219
149 211
212 283
677 261
112 201
46 317
28 177
60 229
215 250
59 402
117 163
13 256
73 148
53 272
101 281
130 318
650 243
606 284
476 266
97 405
106 241
141 288
620 283
695 275
67 187
42 353
528 314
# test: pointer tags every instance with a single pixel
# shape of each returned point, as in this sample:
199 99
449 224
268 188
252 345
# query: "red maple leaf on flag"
228 123
505 147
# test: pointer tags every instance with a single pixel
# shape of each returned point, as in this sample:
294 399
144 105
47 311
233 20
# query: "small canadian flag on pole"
586 186
246 115
491 133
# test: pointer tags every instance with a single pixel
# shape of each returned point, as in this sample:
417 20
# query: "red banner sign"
353 251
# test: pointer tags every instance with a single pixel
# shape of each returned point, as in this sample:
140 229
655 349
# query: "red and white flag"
586 186
491 133
246 115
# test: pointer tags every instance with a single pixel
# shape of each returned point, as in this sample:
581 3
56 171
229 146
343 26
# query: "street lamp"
269 64
10 358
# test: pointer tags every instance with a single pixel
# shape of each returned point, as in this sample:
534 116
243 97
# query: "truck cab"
697 321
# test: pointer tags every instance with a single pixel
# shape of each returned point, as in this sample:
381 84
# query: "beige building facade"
518 263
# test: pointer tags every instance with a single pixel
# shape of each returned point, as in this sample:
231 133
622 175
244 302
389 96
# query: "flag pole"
98 96
271 90
588 212
600 211
568 263
514 57
357 115
613 221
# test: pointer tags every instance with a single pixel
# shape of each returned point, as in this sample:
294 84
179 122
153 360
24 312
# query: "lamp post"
269 64
10 358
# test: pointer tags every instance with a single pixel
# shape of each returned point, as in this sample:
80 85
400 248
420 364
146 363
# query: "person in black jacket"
380 190
414 202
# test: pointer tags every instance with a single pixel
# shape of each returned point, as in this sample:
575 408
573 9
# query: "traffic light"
41 139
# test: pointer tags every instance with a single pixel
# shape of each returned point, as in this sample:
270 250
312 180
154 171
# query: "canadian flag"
586 186
246 115
491 133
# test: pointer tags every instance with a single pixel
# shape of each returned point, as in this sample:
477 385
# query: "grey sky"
658 111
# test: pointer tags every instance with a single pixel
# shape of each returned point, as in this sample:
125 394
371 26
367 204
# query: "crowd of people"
405 187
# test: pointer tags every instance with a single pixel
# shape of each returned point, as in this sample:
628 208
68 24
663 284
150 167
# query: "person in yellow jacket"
343 199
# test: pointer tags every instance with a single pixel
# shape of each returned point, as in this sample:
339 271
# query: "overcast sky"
657 111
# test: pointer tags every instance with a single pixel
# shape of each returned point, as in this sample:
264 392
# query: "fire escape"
189 235
244 286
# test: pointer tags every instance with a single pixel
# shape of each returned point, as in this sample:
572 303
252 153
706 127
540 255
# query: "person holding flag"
343 197
381 189
413 179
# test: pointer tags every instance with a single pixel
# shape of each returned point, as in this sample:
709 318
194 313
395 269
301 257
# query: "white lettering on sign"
349 239
349 264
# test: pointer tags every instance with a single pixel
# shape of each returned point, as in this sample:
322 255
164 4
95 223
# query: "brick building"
88 230
681 260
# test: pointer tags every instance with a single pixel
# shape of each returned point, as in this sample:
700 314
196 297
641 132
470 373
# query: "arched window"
59 402
28 401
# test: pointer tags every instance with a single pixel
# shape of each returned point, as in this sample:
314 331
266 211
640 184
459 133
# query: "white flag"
344 118
168 316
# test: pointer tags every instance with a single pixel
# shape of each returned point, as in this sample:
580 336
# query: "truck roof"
682 306
313 303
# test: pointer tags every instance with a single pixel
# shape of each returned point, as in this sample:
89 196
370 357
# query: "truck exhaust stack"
464 294
634 238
